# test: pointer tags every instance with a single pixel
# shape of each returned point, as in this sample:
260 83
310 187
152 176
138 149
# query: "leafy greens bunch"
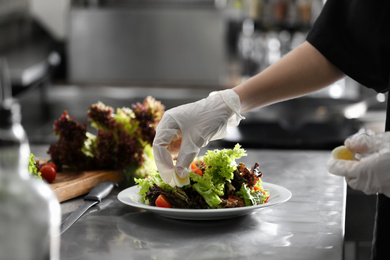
123 138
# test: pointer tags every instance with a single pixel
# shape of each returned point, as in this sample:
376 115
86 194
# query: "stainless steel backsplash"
148 44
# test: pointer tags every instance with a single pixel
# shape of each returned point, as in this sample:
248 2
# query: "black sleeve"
355 36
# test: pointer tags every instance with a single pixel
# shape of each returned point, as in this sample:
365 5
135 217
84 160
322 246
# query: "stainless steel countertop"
309 226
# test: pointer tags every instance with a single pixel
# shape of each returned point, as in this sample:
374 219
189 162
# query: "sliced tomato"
193 166
163 202
258 189
196 170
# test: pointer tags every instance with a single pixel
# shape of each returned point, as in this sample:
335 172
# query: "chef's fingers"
189 150
361 177
373 174
167 132
358 184
345 168
359 143
363 143
369 175
174 146
164 163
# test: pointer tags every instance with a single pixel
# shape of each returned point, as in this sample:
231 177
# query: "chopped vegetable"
193 166
251 196
233 201
198 171
195 169
163 202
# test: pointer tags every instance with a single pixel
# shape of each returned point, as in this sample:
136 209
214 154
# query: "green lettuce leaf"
32 169
221 165
252 197
211 197
207 188
146 183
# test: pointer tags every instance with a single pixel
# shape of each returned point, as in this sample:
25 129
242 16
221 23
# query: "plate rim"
124 197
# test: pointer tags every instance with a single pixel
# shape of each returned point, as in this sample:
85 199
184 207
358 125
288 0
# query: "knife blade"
94 197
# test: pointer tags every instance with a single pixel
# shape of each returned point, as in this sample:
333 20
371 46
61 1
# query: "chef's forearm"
302 71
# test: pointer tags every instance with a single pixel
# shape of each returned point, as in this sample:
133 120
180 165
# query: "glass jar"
30 213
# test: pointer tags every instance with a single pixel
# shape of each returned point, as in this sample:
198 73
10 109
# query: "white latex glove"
190 127
371 174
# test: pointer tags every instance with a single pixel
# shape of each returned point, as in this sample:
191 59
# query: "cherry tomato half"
163 202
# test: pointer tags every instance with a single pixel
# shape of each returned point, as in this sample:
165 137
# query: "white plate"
278 195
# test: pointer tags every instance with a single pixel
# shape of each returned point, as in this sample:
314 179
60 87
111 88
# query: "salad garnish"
216 181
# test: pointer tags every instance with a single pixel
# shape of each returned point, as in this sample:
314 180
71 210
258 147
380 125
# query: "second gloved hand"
371 174
190 127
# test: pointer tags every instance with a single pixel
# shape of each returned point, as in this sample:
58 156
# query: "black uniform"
355 36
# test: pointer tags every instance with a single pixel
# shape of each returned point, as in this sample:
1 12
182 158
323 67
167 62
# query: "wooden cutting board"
68 185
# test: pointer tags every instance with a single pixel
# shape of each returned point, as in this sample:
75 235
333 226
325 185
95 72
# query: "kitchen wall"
277 22
148 43
53 15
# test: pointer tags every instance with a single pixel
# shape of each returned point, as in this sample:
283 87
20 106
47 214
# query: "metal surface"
5 84
77 214
309 226
148 44
299 111
94 197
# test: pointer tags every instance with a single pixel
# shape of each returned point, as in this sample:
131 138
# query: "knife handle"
100 191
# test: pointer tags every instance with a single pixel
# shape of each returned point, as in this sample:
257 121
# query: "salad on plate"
216 181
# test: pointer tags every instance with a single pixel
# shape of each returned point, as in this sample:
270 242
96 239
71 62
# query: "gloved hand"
190 127
370 174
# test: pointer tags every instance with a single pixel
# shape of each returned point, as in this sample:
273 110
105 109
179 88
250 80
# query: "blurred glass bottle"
305 12
30 213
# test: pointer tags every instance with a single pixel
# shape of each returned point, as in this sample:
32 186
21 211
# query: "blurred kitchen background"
67 55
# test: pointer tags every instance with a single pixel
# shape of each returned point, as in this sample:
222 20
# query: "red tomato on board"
48 172
53 165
